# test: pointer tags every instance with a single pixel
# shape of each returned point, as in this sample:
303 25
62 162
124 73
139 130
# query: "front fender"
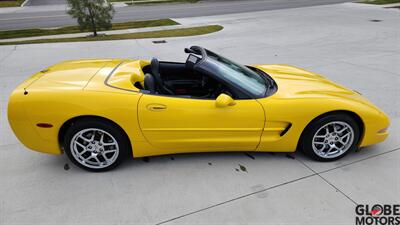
299 112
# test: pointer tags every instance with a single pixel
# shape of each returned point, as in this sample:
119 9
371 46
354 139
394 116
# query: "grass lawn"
152 34
75 29
10 3
381 2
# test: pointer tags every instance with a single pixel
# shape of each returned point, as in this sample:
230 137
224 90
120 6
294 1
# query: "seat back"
150 83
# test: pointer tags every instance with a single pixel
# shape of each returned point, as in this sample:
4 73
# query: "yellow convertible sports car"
98 111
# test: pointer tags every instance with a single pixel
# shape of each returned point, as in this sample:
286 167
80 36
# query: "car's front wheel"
330 137
95 145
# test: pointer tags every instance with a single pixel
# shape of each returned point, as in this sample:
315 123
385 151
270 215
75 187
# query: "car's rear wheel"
95 145
330 137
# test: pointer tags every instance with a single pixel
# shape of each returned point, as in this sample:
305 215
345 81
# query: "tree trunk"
94 28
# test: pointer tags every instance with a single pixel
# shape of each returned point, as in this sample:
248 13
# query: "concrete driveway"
340 41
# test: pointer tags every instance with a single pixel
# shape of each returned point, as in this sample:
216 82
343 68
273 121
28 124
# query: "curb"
391 5
24 3
111 32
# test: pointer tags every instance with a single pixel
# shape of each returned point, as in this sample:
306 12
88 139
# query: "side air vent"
286 130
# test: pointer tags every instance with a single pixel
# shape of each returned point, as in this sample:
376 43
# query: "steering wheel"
197 50
193 58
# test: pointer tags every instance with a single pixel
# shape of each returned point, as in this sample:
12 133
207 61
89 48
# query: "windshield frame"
210 65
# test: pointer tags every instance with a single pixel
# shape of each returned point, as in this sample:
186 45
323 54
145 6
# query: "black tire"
306 142
122 145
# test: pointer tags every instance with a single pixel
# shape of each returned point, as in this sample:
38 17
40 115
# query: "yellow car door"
175 124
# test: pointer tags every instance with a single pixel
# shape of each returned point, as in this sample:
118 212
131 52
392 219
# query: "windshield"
239 74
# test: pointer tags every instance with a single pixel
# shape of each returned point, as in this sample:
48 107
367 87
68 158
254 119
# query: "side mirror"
224 100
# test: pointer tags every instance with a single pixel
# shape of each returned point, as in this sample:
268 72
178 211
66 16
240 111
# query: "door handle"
156 107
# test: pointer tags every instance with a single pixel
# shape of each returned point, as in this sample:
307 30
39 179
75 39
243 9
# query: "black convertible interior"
205 75
181 80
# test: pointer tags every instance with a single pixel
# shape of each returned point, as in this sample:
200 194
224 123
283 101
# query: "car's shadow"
208 158
211 158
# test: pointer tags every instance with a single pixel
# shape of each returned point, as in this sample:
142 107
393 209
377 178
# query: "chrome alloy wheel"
94 148
333 139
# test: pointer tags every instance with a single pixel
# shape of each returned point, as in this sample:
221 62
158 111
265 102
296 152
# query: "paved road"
27 18
45 2
58 2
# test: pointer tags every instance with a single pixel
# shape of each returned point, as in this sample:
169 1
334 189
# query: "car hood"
69 74
295 82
